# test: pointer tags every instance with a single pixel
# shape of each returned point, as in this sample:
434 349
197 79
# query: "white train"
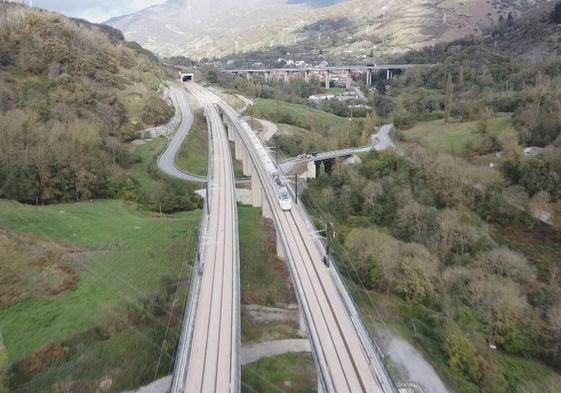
285 200
283 194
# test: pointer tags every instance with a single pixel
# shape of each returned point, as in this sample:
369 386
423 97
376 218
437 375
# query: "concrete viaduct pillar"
389 74
307 76
286 77
368 77
246 162
311 172
349 78
231 132
327 79
267 76
238 147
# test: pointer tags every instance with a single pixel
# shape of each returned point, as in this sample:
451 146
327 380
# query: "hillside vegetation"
70 93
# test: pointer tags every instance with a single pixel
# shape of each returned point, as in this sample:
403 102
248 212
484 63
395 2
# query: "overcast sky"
95 10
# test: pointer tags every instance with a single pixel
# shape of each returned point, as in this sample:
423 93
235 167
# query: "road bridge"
346 357
382 141
326 73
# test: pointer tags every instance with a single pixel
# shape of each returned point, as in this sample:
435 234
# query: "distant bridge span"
326 72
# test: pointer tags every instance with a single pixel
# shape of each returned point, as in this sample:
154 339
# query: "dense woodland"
71 93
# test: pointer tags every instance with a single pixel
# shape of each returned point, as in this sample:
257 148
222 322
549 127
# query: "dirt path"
253 352
413 367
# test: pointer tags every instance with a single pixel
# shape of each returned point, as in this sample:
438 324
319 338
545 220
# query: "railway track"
211 361
347 360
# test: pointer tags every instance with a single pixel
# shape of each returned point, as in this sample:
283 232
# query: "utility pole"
296 188
327 244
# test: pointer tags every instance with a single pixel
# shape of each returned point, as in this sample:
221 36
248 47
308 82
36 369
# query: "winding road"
166 162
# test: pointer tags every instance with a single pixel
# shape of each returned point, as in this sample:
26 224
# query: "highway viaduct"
326 73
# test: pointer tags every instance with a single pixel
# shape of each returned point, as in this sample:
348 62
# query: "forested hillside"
70 93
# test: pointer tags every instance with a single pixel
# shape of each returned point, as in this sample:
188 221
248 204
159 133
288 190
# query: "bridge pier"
238 146
246 162
349 79
311 171
231 131
280 249
286 78
256 190
267 76
368 77
265 207
327 79
307 76
389 74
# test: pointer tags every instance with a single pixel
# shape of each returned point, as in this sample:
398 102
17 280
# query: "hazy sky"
95 10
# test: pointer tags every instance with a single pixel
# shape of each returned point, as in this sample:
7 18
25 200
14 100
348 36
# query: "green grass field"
299 115
193 156
453 137
264 278
147 154
285 373
124 253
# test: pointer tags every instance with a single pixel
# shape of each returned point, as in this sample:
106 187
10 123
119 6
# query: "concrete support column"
389 74
265 207
246 162
280 250
301 322
238 147
368 77
256 190
311 172
307 76
267 76
248 75
286 77
231 131
327 79
349 78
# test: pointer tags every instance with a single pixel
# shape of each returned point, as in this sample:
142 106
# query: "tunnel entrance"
186 78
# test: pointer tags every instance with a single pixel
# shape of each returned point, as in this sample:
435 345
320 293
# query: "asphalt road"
166 162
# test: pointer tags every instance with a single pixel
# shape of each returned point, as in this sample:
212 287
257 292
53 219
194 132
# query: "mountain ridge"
199 29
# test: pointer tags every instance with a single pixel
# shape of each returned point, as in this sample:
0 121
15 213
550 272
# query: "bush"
463 357
556 13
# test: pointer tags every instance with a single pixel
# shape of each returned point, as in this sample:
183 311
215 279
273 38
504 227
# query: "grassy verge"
118 252
285 373
300 115
193 156
452 138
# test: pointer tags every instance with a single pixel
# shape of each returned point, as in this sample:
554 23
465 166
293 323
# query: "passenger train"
283 194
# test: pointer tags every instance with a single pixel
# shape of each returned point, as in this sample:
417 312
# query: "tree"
506 263
556 13
212 76
449 93
463 357
3 365
368 126
557 218
554 328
